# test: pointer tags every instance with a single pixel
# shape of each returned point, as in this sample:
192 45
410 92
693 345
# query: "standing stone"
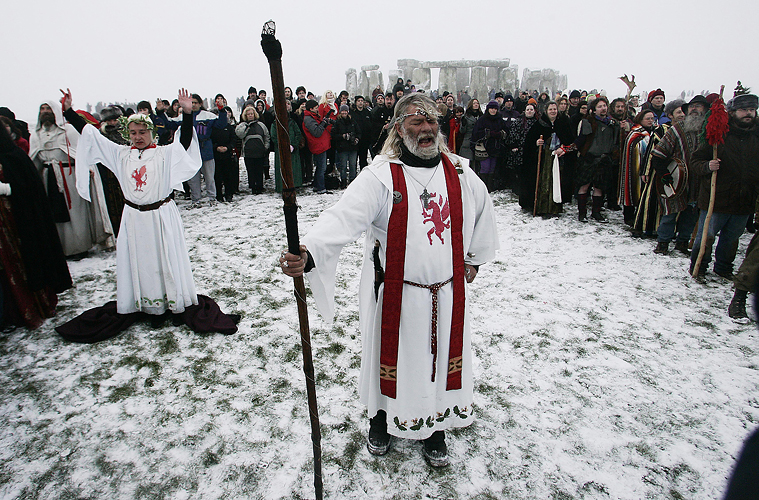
351 82
374 79
392 77
563 85
379 76
531 80
478 85
508 80
462 79
407 67
422 78
447 80
370 67
363 85
492 78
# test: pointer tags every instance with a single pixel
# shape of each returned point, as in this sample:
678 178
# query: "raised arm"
185 133
71 116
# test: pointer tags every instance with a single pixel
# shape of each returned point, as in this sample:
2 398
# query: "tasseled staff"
716 128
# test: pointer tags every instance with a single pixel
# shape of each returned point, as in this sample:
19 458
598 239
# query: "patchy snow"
602 371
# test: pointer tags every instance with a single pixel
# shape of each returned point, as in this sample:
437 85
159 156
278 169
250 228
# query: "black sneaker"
737 308
435 451
378 442
598 217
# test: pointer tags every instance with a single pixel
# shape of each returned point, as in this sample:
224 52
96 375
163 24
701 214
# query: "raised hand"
185 101
159 105
66 99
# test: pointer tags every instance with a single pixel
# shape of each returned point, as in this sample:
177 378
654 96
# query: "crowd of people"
648 159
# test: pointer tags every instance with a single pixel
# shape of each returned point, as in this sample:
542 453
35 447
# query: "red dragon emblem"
140 178
438 216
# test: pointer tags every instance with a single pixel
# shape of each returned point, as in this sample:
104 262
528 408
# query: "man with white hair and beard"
429 225
52 147
679 212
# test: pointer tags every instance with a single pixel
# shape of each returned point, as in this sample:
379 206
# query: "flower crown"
135 118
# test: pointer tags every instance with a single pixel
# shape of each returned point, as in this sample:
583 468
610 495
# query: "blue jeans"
680 224
346 164
320 161
730 228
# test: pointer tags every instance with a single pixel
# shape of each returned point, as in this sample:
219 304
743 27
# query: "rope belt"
151 206
434 288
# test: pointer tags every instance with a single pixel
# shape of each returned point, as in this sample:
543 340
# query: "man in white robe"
53 147
416 369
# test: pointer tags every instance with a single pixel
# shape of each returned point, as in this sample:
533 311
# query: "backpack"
253 143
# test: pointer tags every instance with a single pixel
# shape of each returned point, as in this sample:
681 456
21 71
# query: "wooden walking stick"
537 180
716 128
273 50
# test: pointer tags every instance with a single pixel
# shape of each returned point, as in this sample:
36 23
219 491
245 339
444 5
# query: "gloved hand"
668 180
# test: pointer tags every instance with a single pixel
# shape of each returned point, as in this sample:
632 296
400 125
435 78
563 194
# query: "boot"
682 246
596 211
582 207
662 248
737 308
435 451
378 441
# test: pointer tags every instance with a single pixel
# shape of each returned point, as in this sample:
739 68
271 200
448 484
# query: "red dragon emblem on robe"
140 178
438 216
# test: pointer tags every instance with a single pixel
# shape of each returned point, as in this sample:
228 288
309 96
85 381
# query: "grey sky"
108 51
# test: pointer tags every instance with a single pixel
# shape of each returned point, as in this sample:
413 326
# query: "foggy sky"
108 51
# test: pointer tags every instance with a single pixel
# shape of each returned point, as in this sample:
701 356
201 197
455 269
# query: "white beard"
412 144
693 123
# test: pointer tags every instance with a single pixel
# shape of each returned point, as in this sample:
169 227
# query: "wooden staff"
273 50
715 132
537 180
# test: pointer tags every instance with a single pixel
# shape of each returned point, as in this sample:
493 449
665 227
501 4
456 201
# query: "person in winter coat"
329 109
363 118
317 132
455 138
553 135
490 130
345 138
306 159
297 141
472 114
516 138
227 166
381 116
255 148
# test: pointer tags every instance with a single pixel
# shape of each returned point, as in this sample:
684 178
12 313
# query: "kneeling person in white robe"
433 221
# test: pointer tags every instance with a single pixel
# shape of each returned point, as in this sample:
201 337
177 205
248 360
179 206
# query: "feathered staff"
716 128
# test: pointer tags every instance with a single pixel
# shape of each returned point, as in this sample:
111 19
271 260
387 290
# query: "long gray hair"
392 146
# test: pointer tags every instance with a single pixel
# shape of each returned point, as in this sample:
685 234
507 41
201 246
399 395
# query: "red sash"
394 272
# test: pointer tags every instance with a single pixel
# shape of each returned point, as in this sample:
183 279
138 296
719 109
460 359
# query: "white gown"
421 406
152 265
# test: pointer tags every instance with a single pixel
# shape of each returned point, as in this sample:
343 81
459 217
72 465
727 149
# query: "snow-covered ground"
602 371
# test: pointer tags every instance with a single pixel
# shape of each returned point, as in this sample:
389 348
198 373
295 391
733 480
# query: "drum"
680 175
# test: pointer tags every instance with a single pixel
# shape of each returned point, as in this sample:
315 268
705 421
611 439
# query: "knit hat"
657 92
508 98
344 107
499 94
743 101
532 101
492 104
252 90
574 94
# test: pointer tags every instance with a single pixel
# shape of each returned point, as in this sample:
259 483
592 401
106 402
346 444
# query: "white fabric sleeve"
94 148
5 189
183 164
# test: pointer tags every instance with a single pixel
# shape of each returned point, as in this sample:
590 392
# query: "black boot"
582 207
596 212
435 450
682 246
662 247
737 308
378 441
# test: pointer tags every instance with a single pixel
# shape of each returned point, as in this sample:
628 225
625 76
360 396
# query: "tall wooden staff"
273 50
716 127
537 180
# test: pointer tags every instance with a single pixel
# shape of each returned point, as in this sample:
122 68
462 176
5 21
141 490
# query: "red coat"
319 144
